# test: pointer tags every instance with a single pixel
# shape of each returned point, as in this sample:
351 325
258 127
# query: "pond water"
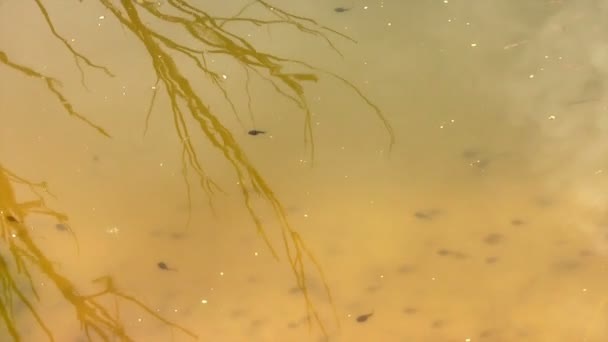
315 171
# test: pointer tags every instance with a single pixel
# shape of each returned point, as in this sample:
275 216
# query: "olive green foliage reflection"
24 265
53 85
211 36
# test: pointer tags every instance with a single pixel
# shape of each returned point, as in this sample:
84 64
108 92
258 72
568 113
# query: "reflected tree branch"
96 320
182 96
53 86
191 114
77 55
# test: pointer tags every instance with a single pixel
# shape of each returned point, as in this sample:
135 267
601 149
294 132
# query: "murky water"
435 171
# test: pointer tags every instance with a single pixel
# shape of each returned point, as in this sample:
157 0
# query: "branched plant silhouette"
211 36
22 260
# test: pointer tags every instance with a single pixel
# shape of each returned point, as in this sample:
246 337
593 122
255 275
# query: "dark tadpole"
517 222
410 311
163 266
341 9
493 239
363 318
453 254
429 214
256 132
11 218
62 227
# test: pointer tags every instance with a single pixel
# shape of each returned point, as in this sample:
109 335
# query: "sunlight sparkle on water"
112 230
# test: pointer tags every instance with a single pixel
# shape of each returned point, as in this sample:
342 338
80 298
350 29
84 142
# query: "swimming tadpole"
256 132
364 317
163 266
341 9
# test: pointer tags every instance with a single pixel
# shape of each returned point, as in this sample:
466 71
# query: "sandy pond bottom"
510 264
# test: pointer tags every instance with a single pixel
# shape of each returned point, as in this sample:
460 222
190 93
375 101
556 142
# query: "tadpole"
256 132
517 222
341 9
429 214
363 318
163 266
493 239
449 253
61 227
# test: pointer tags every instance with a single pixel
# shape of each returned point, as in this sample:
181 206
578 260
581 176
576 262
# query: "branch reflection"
22 260
210 36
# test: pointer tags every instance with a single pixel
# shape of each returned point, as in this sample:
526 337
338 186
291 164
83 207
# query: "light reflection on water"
485 221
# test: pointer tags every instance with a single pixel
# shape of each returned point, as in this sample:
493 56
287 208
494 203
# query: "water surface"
475 212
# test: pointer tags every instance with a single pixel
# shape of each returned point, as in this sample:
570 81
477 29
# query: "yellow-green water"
440 165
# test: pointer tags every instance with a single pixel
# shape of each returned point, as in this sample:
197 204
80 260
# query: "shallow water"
485 221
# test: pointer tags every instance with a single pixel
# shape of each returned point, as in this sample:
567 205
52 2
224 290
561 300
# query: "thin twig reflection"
210 36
